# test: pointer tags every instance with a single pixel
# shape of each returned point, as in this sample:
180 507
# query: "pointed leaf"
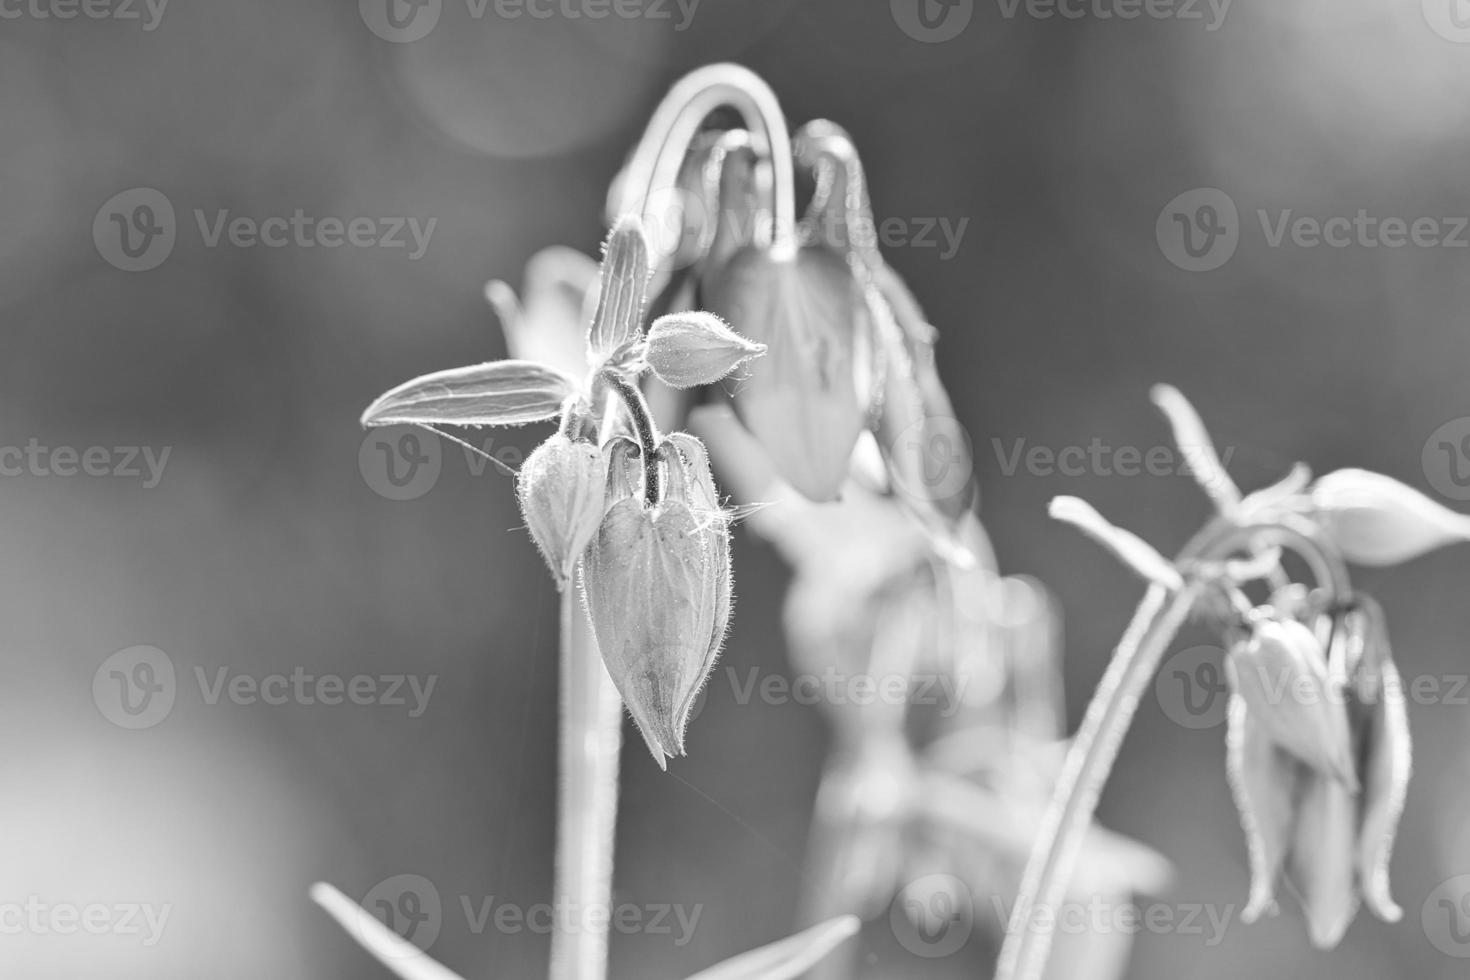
401 957
787 959
624 285
494 393
1376 520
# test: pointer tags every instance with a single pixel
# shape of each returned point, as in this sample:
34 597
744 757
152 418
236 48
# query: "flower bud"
1321 863
686 350
801 401
1281 674
561 488
656 581
1382 723
1376 520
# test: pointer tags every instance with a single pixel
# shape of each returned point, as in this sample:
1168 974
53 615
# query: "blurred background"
1056 141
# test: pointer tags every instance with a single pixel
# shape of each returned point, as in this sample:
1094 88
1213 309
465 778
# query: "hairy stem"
587 800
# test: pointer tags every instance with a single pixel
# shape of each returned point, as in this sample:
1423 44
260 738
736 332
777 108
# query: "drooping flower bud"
802 401
686 350
1321 861
1376 520
1380 717
1263 780
1281 673
656 584
561 489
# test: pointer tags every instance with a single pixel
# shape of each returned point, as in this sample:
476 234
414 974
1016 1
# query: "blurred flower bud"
1321 862
802 401
1334 842
561 488
1281 674
1376 520
1263 780
1381 723
656 580
690 349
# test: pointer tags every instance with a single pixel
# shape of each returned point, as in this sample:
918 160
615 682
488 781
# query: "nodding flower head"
1330 830
656 580
847 347
802 401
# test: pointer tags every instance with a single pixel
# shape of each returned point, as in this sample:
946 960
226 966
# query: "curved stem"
1095 747
676 121
643 424
587 801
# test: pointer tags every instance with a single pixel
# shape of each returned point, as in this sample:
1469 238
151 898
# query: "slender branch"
587 801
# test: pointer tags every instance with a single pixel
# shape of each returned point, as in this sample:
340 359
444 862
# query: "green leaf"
495 393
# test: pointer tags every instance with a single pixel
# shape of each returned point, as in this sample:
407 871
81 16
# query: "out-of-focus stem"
656 162
587 800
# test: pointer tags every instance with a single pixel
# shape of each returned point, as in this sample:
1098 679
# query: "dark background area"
264 549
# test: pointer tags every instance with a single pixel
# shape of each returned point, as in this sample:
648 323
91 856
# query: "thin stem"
587 801
1095 747
1089 761
642 417
656 161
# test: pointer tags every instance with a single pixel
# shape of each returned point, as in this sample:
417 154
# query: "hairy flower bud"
686 350
1281 673
656 580
802 401
561 488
